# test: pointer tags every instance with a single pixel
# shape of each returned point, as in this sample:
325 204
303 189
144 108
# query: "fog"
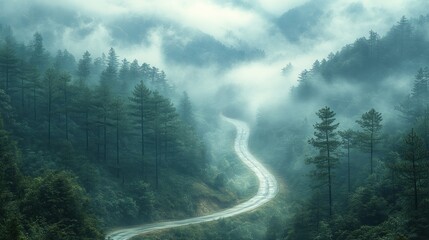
149 30
153 154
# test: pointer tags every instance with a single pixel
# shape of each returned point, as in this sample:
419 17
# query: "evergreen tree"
50 88
185 110
84 68
8 64
373 41
39 56
110 75
420 91
35 86
370 123
134 71
124 71
98 66
403 33
65 61
10 176
124 74
162 119
347 137
65 80
146 72
103 104
416 104
118 118
84 104
57 201
326 143
140 101
413 168
23 85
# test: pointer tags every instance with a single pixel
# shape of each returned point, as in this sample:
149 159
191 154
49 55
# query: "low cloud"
140 28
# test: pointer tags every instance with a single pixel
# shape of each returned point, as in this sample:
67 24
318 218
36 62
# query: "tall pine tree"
325 141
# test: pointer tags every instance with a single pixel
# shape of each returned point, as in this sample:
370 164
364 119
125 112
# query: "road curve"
267 190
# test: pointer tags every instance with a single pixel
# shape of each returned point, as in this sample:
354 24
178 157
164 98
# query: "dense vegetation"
359 168
93 143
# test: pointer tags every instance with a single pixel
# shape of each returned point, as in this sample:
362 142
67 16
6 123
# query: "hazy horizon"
171 36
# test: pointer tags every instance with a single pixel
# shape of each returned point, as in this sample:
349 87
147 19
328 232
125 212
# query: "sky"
285 31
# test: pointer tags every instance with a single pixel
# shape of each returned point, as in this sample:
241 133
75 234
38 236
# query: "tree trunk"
7 79
34 103
87 131
117 144
105 136
372 145
49 113
66 112
98 142
348 166
413 159
22 96
372 141
329 173
142 135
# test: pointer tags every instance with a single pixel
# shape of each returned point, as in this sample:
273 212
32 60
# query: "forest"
349 145
357 167
95 142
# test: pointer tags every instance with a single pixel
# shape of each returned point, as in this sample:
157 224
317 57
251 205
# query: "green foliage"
145 199
413 168
326 142
274 229
186 111
81 158
60 203
367 207
369 136
391 202
84 68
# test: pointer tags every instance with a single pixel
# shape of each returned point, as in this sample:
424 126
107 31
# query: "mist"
324 133
147 30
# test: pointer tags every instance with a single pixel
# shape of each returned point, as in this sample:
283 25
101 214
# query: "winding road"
267 190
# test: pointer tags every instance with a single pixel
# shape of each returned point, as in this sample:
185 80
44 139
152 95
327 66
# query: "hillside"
370 99
97 143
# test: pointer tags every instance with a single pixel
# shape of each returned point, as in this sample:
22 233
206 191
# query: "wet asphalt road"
267 190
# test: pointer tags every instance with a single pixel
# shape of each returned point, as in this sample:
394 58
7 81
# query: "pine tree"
65 80
35 86
417 102
84 68
83 104
50 88
413 167
185 110
110 75
103 108
65 61
140 108
134 71
326 142
118 118
162 119
373 42
347 137
8 64
370 123
39 56
124 74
